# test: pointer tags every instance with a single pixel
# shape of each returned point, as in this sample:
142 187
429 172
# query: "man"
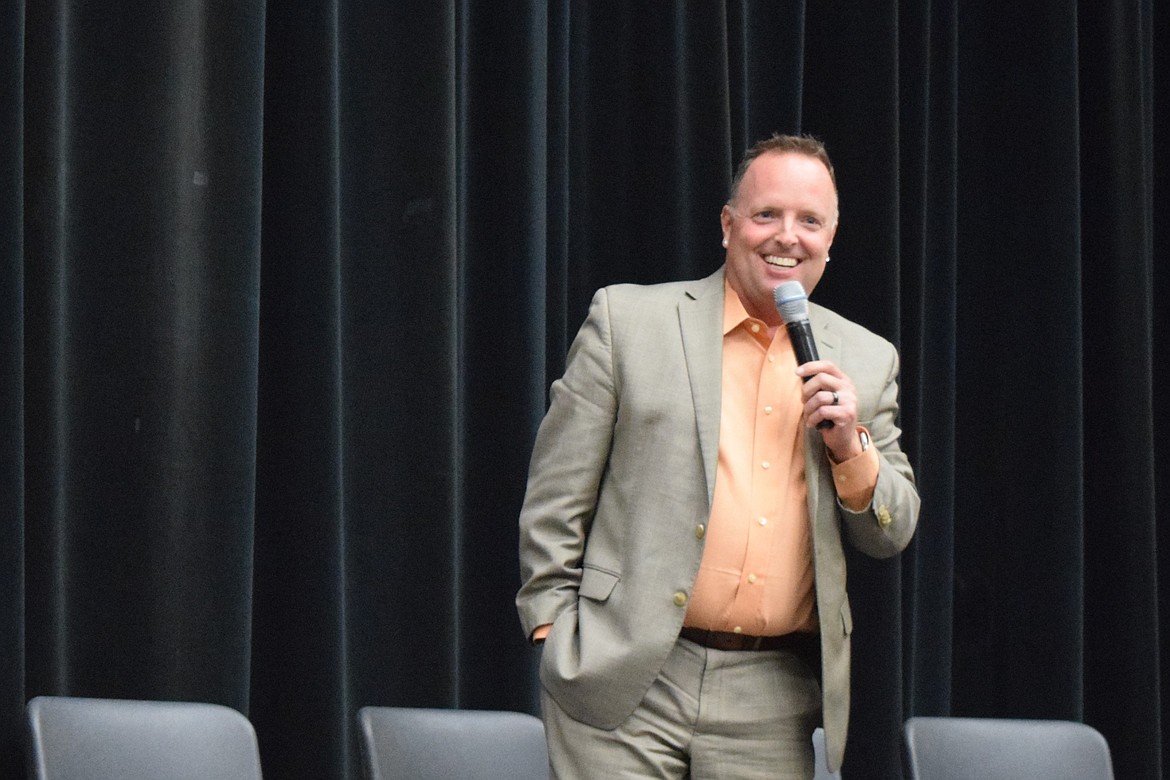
681 537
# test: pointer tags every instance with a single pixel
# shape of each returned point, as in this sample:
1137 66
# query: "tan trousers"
710 715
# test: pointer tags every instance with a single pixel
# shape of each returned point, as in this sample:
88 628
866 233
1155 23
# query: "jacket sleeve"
885 527
568 461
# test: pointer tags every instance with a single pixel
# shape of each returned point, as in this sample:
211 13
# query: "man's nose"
786 231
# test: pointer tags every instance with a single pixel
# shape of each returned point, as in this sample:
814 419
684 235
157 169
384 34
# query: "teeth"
783 262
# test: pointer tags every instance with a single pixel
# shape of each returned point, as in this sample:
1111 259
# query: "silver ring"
836 398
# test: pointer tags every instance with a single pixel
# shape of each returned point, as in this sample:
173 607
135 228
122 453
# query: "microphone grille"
791 301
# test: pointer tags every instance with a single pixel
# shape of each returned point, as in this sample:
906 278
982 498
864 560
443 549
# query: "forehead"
787 178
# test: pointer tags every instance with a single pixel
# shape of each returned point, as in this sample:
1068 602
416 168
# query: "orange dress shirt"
756 575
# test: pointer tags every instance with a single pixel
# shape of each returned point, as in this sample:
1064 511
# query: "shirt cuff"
856 478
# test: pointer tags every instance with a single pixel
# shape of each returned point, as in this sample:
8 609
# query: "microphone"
792 303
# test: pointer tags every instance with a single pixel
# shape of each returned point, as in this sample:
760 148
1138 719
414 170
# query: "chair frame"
958 748
76 738
401 742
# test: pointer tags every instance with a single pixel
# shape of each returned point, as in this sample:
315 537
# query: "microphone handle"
805 346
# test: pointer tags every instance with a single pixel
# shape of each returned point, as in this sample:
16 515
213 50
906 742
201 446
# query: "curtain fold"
928 67
140 350
284 287
299 691
1159 25
12 655
1117 214
1019 554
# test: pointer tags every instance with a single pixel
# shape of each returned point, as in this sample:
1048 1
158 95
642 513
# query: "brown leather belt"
807 644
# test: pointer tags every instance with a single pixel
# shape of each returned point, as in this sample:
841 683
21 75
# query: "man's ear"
725 220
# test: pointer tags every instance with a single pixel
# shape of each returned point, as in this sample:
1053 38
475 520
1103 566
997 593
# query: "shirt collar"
734 314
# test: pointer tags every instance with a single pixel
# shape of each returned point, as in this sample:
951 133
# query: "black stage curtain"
284 286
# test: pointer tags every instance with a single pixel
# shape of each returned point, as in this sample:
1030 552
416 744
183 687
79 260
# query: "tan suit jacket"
623 473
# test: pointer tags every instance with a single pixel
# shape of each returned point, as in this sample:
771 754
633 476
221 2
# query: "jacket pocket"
597 584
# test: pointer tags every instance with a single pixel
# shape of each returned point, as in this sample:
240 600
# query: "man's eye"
765 217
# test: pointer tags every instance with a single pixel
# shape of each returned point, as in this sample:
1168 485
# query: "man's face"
778 228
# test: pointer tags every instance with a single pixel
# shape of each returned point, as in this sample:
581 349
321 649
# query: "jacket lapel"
700 315
828 341
819 479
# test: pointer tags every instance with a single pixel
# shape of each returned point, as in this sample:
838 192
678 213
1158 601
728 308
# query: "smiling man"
681 543
778 225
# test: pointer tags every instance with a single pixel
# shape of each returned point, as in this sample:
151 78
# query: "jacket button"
680 599
700 531
884 518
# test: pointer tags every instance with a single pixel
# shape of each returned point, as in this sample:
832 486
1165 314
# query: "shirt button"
680 599
766 465
755 327
771 358
700 531
738 629
763 521
751 579
767 410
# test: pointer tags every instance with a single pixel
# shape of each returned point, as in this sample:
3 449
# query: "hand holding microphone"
831 387
792 303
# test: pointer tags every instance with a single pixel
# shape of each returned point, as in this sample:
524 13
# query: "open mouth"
781 262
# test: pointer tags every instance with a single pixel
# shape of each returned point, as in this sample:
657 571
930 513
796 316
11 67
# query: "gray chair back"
400 743
943 748
117 739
